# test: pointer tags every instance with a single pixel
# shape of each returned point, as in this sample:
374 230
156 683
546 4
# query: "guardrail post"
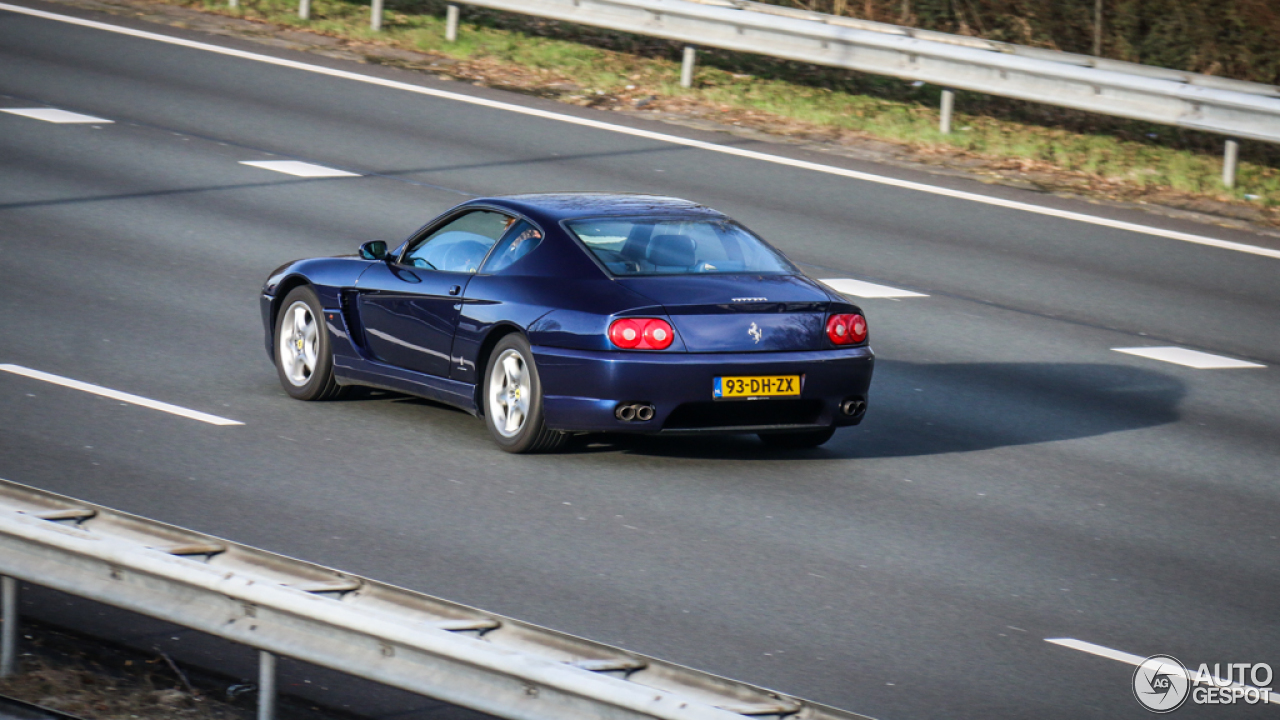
375 21
686 66
1230 159
9 634
304 9
948 102
266 685
451 23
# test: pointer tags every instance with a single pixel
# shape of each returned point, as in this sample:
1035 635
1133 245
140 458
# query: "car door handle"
455 289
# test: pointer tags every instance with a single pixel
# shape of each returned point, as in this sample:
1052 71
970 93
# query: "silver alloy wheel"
509 393
299 343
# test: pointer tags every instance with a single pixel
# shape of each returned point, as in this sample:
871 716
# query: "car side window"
518 242
461 244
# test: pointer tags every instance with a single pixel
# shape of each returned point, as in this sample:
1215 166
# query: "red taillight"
626 333
641 334
846 329
658 334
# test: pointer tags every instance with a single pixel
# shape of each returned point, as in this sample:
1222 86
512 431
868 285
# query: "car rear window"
677 246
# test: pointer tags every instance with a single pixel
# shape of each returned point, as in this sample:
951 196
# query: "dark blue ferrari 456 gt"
556 314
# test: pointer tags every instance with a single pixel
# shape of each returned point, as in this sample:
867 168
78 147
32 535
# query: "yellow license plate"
758 386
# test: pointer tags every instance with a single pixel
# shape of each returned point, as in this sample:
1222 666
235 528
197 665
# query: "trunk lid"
740 313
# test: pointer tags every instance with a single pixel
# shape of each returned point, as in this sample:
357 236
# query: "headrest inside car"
671 250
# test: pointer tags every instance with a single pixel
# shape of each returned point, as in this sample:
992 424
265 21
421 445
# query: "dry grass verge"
80 677
99 680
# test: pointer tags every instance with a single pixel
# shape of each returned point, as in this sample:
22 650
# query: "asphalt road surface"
1016 480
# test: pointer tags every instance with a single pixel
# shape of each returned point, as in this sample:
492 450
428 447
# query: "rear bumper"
582 388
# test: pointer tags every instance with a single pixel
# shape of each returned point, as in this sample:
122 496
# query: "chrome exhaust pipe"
853 406
627 412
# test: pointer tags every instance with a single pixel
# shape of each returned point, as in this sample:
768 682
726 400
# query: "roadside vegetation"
1228 38
80 677
1010 141
96 679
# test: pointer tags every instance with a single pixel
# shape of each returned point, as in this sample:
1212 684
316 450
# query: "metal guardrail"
355 625
1234 109
1100 63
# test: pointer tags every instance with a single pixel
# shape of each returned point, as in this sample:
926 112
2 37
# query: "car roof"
555 207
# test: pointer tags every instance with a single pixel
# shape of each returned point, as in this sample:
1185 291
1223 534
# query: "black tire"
799 440
307 372
514 420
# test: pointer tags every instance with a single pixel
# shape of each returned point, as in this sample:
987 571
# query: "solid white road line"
1196 676
117 395
863 289
1189 358
661 137
54 115
299 169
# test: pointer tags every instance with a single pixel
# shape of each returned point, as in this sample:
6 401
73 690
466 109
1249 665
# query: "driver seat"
672 252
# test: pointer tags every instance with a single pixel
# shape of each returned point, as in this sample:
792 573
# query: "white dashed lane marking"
863 289
54 115
1189 358
117 395
1196 676
298 168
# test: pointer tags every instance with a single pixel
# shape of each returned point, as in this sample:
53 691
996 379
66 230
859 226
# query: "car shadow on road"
933 408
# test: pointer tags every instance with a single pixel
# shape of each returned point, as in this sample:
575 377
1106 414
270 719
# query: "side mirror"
374 250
